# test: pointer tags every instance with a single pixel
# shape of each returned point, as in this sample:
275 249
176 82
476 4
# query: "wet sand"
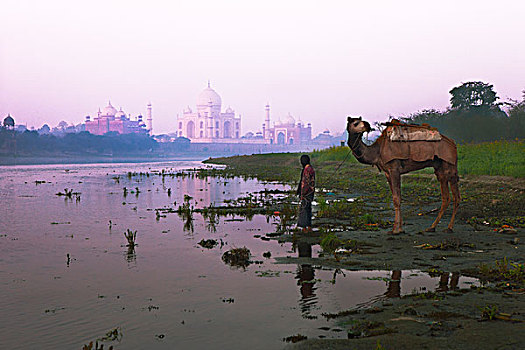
486 316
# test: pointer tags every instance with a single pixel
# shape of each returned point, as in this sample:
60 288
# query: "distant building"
208 124
9 122
287 131
111 120
325 139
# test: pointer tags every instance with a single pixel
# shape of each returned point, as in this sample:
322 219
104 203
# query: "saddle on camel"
403 148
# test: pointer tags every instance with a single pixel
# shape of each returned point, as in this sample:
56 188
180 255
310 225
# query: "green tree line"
30 142
475 115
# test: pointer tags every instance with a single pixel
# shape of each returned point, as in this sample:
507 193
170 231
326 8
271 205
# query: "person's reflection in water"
394 285
443 282
304 250
443 285
454 281
305 279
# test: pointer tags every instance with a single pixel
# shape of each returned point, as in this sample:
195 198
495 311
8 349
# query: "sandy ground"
449 319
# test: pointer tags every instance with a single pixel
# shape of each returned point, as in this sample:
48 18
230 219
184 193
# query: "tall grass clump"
333 153
503 158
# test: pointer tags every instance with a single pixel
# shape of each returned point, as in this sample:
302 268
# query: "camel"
395 158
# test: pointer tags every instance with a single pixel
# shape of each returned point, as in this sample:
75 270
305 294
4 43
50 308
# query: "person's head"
305 160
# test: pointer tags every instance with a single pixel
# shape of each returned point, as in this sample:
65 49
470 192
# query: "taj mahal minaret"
150 119
266 125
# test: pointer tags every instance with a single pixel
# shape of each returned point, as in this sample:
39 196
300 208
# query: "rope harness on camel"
354 145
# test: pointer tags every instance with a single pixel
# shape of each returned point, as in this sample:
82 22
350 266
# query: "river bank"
351 223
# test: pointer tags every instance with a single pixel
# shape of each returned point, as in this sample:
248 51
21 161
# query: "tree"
62 125
516 122
474 94
45 129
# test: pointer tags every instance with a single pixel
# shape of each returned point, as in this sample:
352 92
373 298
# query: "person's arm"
298 192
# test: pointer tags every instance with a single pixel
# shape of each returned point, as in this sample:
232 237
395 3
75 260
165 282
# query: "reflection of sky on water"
50 302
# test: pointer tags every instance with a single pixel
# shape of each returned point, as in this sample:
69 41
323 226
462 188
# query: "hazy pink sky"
318 60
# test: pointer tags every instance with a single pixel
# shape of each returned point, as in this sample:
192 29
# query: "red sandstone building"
111 120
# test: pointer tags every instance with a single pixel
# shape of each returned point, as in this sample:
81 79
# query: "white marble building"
208 123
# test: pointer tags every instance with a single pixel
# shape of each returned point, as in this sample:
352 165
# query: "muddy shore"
354 208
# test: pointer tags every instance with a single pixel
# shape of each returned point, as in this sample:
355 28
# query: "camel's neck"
363 153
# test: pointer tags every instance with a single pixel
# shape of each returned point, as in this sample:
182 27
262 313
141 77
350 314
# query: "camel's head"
357 126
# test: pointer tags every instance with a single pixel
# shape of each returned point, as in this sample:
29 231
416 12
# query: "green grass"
484 198
504 158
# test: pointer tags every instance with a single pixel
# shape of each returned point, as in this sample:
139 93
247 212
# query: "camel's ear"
349 119
360 118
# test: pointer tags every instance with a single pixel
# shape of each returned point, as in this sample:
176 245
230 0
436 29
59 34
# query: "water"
169 292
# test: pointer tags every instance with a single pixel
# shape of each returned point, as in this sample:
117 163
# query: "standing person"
305 191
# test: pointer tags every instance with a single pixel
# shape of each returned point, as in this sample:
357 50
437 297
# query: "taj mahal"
208 124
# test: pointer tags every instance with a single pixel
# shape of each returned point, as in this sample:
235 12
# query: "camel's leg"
445 197
395 186
456 197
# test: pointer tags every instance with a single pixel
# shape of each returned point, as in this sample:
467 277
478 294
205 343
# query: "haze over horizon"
62 60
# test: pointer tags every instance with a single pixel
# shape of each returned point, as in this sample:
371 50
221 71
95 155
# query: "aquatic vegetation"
185 212
130 237
97 347
295 338
499 222
130 254
208 243
330 242
426 296
286 215
211 219
268 273
356 213
339 314
379 346
111 335
489 312
68 194
364 328
237 257
503 270
447 244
